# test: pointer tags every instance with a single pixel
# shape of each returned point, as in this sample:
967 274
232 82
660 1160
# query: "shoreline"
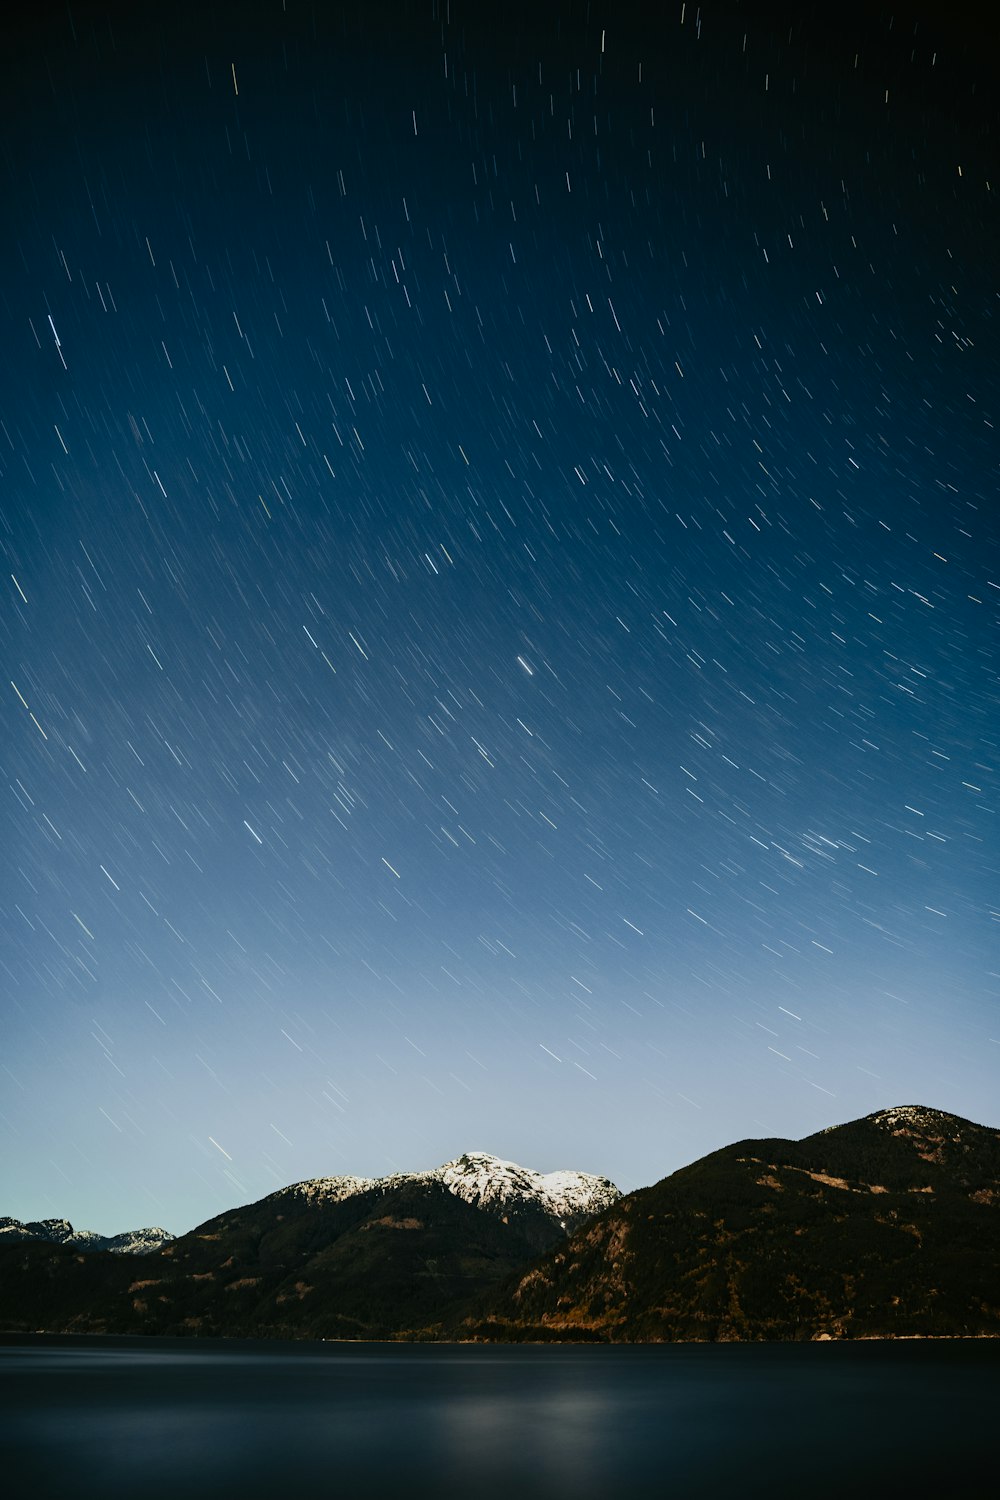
11 1338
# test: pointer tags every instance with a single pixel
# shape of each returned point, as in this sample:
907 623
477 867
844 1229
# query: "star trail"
499 595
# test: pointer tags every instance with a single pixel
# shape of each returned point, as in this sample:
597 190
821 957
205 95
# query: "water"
151 1418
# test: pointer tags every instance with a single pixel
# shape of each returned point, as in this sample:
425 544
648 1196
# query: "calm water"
150 1418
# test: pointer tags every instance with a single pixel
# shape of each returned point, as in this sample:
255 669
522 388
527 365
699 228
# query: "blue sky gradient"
500 554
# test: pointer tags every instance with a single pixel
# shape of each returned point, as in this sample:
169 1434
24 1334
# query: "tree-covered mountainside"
332 1257
370 1266
885 1227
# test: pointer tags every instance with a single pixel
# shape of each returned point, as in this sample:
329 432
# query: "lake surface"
158 1417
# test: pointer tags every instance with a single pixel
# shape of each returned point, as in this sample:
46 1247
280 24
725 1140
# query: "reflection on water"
116 1417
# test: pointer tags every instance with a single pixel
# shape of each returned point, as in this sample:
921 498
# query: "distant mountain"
885 1227
61 1232
337 1257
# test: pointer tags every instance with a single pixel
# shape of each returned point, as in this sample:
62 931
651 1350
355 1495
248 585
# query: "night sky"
498 509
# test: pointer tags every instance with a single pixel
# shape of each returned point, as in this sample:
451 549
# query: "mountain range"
883 1227
61 1232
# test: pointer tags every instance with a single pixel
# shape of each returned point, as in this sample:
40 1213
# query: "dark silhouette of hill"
375 1264
885 1227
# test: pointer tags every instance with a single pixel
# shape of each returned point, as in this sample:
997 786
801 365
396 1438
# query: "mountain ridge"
61 1232
338 1257
882 1227
485 1181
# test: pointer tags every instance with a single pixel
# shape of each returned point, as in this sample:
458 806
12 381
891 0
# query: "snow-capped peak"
490 1182
911 1116
137 1241
484 1181
61 1232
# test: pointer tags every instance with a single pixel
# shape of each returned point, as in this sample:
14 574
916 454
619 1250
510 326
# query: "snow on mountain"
488 1182
552 1202
912 1116
901 1117
61 1232
484 1181
85 1239
137 1241
327 1189
55 1231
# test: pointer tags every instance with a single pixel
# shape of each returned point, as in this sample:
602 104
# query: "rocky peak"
490 1182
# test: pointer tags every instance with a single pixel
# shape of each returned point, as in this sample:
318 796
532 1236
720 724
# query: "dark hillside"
885 1227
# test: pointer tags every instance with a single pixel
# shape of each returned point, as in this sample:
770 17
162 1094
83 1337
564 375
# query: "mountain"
61 1232
885 1227
542 1208
338 1257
